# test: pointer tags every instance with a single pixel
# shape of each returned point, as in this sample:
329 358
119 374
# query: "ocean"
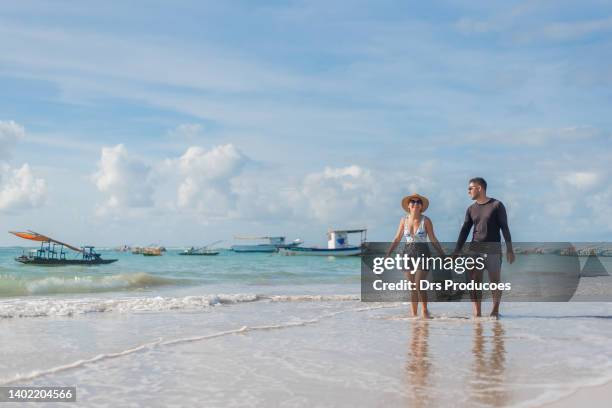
266 329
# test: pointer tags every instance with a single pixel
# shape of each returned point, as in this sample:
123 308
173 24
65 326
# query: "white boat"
205 250
273 245
337 245
199 251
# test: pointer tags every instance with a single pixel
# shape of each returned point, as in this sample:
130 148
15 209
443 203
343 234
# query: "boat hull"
199 254
349 251
263 248
60 262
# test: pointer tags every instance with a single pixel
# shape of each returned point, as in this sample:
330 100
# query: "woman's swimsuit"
417 243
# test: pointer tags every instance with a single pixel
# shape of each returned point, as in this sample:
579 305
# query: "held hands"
390 251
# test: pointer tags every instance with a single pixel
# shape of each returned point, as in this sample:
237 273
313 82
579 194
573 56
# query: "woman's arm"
398 237
432 237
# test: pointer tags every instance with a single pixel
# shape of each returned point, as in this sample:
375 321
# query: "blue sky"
195 121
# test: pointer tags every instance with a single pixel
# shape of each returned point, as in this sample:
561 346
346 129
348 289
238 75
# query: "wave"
70 307
10 286
312 298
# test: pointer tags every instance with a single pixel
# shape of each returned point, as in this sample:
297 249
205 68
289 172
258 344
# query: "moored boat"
199 251
152 251
203 251
51 252
337 245
348 251
274 244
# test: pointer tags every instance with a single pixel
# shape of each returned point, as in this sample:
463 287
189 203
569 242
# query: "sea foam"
70 307
51 285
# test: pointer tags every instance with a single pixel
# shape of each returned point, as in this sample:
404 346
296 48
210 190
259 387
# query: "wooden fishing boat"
52 253
152 251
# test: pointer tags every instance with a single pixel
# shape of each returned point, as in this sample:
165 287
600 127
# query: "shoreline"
300 350
595 396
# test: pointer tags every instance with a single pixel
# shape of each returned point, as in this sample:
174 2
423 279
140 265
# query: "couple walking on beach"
486 215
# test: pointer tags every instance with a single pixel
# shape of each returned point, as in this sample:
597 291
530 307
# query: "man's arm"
502 220
465 231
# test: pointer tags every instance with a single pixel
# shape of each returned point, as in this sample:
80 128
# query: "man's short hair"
480 181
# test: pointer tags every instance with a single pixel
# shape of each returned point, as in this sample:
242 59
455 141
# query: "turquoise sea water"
137 273
266 329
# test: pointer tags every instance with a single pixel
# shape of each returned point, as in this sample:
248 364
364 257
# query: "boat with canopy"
52 252
274 244
337 245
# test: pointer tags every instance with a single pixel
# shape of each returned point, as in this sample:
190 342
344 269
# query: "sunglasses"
415 202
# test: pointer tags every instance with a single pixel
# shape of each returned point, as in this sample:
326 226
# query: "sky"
186 122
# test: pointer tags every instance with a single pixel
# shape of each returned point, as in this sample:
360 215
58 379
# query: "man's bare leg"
494 277
476 295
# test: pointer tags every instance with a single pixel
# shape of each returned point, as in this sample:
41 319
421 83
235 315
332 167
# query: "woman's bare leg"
422 294
414 295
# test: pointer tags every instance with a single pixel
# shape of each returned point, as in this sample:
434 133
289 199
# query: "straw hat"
415 196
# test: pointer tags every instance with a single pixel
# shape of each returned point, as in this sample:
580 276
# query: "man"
488 216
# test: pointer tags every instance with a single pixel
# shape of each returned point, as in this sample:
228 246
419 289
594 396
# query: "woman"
417 229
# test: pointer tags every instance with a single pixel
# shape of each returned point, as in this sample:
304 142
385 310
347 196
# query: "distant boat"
51 252
205 250
337 245
153 251
273 245
199 251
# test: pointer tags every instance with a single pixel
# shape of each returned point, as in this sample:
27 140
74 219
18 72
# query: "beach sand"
293 352
592 397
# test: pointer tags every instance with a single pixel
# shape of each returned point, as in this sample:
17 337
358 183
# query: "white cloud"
206 179
527 30
580 202
601 205
126 181
581 179
186 131
10 133
20 189
337 194
218 184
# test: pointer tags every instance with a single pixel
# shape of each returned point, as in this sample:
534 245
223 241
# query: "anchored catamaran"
51 252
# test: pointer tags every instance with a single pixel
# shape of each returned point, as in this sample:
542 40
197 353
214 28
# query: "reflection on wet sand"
418 365
486 375
488 369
